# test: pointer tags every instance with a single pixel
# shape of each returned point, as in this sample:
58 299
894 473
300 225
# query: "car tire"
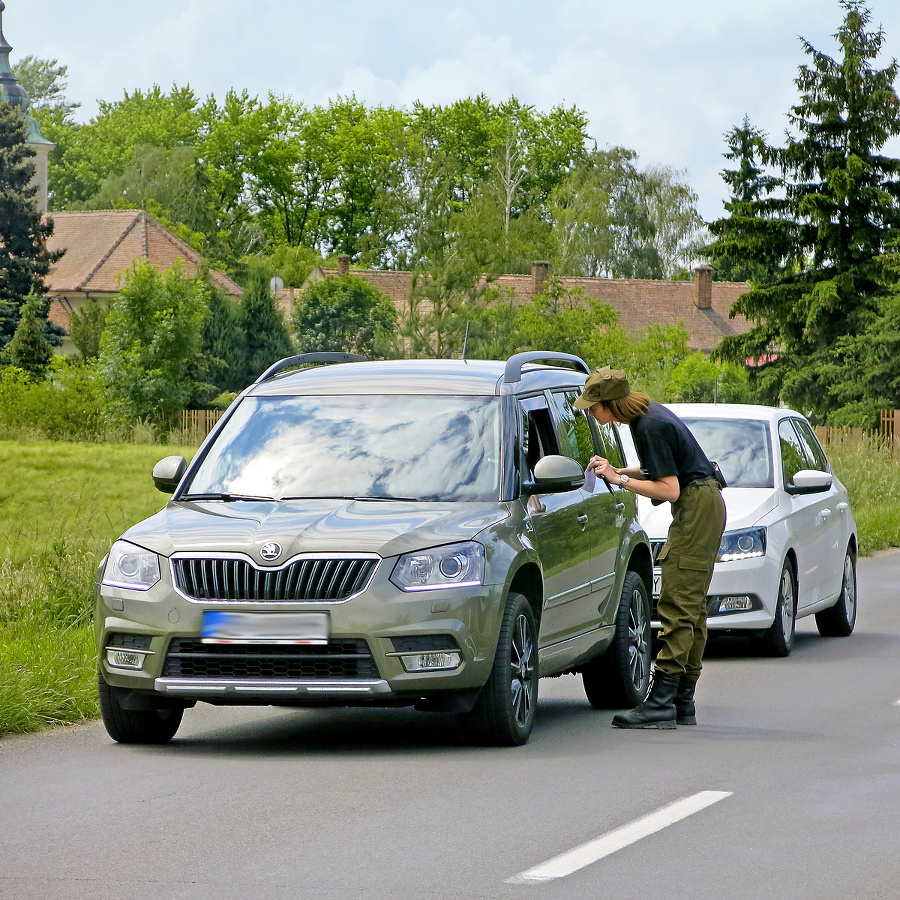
779 639
503 715
135 726
621 677
840 619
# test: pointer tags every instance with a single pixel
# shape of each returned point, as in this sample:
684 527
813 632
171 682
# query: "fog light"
428 662
125 659
735 604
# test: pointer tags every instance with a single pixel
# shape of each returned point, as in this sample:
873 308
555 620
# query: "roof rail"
513 370
289 361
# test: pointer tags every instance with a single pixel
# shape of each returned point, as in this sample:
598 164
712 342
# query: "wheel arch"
529 582
641 561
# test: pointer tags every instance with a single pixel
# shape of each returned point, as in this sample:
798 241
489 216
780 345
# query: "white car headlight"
743 544
129 566
454 565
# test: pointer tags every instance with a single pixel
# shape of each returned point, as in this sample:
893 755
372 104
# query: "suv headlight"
743 544
129 566
454 565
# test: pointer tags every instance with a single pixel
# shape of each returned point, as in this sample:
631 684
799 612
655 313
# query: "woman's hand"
603 468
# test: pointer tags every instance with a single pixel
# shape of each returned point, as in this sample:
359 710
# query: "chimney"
540 272
703 287
343 264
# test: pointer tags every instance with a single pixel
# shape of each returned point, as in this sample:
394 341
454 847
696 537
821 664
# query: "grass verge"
61 506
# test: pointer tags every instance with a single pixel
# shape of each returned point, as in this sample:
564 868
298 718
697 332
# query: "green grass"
62 505
871 475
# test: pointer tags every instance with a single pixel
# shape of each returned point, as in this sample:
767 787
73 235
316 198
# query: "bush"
68 405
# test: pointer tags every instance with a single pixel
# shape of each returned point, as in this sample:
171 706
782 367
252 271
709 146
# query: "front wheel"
620 678
779 639
503 714
135 726
840 619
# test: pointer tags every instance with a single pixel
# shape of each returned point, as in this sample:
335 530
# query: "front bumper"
370 635
750 583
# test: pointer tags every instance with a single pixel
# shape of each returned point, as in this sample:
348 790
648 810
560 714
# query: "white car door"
813 521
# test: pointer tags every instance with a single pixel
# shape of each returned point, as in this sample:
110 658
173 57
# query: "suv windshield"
372 447
741 447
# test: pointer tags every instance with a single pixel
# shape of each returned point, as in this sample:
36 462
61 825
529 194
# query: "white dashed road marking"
573 860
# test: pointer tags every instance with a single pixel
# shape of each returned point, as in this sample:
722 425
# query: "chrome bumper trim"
269 686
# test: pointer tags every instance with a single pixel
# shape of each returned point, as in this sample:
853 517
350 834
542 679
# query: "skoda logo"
270 551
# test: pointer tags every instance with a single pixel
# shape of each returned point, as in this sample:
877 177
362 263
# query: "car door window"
573 429
538 433
793 456
813 451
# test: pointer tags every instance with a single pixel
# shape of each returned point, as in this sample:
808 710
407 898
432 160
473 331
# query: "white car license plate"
657 583
264 628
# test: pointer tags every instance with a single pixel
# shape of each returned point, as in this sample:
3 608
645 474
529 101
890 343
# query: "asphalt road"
790 788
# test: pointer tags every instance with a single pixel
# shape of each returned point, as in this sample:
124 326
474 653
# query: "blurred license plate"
657 583
265 628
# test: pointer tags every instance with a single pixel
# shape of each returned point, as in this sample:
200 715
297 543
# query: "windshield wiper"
228 498
381 499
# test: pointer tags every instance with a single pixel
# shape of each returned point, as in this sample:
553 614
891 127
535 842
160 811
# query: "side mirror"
555 475
168 472
810 481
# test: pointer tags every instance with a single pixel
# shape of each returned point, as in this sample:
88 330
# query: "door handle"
582 520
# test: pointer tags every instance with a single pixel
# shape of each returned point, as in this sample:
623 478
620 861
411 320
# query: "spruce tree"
29 348
265 333
24 258
820 227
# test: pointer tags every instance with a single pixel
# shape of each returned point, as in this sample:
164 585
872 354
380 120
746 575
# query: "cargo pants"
686 561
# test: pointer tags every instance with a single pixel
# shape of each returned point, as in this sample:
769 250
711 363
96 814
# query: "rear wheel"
135 726
840 619
503 714
779 639
621 677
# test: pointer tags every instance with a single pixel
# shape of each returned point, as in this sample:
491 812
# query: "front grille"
655 547
191 658
301 580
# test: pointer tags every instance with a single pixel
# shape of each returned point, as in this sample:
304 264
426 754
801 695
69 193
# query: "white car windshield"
741 447
377 447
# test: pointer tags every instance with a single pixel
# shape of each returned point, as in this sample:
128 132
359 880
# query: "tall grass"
871 474
61 506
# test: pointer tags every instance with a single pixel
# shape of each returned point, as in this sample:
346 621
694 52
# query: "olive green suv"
409 532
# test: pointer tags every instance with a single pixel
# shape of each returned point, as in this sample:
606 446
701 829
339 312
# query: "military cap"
603 384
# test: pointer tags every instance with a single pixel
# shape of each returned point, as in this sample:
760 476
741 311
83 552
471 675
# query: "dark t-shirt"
666 446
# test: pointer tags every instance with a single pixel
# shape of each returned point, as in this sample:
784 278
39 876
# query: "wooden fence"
197 423
888 431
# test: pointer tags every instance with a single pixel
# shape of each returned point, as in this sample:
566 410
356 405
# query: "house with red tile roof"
703 305
100 248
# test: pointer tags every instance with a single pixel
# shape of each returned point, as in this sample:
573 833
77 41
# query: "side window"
814 452
573 428
792 451
611 445
538 433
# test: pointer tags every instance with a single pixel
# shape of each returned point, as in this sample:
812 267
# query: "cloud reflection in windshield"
423 448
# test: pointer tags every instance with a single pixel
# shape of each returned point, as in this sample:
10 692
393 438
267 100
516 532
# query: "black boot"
657 711
685 711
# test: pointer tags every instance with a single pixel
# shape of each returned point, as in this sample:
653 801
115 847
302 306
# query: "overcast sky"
664 78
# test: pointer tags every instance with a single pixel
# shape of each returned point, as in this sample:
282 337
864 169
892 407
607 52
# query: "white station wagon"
790 544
